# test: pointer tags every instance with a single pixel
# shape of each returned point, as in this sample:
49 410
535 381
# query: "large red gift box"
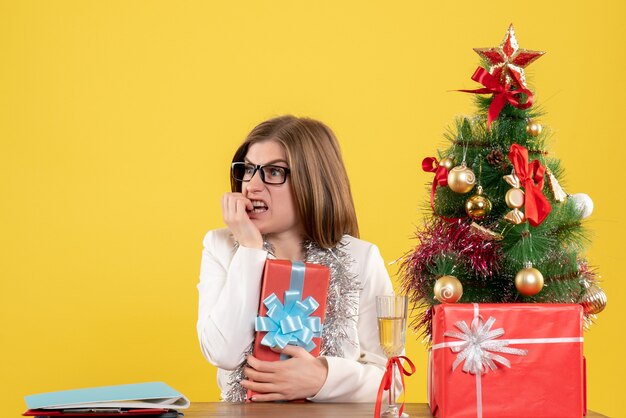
292 308
531 356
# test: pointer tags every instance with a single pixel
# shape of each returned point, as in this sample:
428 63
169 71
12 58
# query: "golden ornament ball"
514 198
448 289
461 179
533 129
447 162
529 281
593 300
478 206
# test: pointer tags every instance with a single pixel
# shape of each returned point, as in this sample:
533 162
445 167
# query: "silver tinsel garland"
341 306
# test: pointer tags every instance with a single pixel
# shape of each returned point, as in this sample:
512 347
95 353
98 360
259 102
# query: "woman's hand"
234 211
299 377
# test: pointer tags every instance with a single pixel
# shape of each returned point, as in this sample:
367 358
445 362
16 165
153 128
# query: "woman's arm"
332 379
351 380
229 292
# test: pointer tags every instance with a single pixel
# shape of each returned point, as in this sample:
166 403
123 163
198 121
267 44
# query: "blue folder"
137 395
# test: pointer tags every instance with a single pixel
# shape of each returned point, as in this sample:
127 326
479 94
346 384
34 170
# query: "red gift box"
296 294
506 361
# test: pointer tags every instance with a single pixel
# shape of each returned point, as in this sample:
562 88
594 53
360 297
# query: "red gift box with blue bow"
292 308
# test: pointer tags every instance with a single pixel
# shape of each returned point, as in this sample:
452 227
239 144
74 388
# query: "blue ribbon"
290 323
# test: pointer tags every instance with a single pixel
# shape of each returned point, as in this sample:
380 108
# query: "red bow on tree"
431 165
536 206
387 381
502 93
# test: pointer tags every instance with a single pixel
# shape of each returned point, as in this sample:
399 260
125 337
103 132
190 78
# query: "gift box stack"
499 276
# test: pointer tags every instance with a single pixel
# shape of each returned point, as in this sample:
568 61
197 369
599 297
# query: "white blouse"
229 295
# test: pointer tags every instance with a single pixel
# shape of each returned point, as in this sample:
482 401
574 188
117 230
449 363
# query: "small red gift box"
292 309
507 360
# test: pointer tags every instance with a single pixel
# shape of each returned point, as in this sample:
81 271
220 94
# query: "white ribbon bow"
480 345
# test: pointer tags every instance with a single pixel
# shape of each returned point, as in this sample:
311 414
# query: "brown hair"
319 181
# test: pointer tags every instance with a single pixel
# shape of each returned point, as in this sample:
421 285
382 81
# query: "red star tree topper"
508 58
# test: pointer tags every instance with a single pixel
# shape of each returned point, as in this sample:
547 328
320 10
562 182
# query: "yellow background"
118 120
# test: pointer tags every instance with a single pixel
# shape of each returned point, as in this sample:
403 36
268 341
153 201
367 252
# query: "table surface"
303 410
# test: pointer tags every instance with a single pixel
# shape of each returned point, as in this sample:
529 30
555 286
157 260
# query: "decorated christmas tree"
500 228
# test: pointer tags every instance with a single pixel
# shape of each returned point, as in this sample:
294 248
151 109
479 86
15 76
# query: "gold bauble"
514 198
448 289
529 281
533 129
593 300
478 206
461 179
447 162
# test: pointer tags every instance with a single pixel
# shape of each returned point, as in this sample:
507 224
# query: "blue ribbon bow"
290 323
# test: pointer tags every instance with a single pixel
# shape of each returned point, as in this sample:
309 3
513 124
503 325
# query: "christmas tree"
500 228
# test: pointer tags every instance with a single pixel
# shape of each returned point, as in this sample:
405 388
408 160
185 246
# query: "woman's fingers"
241 208
234 212
298 377
263 366
264 391
235 204
294 351
224 207
236 208
267 397
257 376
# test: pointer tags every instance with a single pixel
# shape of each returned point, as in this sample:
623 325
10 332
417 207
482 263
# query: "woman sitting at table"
291 200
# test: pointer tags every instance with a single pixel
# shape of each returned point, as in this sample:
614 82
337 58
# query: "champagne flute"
391 311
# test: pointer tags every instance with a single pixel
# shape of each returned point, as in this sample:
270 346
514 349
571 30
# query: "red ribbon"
501 93
536 206
431 165
387 381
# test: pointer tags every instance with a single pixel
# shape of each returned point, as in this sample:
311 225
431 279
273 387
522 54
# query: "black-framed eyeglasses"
270 174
